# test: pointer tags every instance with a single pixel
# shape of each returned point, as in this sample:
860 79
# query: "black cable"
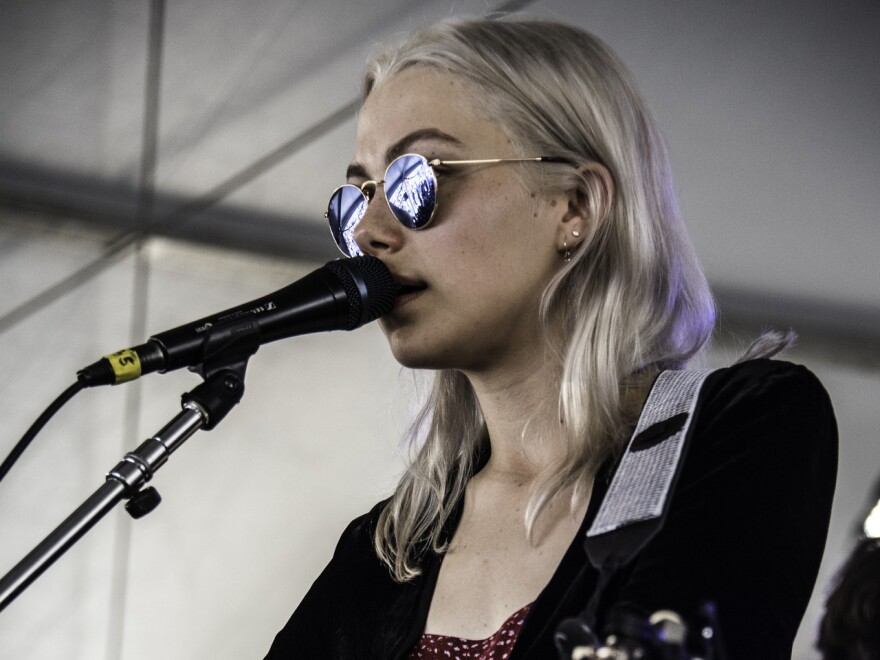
37 426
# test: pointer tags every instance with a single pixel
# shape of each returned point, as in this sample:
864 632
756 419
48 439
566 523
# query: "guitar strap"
637 501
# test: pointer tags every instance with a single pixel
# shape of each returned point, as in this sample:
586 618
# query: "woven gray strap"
647 471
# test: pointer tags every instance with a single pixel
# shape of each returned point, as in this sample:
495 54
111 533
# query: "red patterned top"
496 647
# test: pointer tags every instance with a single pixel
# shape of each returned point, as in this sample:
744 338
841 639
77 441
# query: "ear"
589 204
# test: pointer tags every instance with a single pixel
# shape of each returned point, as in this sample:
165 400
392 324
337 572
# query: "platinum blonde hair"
632 300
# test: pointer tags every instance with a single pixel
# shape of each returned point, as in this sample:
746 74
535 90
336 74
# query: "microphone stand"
230 347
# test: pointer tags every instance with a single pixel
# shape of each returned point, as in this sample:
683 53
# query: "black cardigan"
746 529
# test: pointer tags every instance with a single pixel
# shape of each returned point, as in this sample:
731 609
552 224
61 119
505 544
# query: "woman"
547 289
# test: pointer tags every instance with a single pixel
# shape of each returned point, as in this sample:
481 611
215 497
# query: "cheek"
492 234
462 236
482 215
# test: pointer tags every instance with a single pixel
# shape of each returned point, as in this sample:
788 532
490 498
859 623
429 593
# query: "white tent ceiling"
769 110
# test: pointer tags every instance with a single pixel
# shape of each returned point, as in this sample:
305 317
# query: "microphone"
341 295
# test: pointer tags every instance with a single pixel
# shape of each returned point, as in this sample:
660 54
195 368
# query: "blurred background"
161 160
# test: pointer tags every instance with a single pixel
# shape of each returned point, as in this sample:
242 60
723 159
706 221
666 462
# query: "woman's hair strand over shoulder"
632 300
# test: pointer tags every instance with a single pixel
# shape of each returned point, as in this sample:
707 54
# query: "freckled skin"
485 259
490 249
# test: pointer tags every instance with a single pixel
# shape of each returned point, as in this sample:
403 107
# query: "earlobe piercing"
566 255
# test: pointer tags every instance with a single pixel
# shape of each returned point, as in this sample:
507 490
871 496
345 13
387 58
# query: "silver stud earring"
575 233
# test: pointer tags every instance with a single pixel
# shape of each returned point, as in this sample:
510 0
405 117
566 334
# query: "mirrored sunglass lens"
346 209
411 190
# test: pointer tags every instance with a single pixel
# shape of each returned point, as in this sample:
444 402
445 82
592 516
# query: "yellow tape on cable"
126 365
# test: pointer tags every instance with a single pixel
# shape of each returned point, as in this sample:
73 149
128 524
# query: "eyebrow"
402 146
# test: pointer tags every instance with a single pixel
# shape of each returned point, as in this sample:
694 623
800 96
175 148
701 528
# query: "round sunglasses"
410 190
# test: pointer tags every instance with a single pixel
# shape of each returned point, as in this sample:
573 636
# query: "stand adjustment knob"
142 502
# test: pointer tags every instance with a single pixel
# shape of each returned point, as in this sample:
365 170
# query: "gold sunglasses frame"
435 162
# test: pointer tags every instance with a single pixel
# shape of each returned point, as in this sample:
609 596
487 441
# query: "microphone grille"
369 287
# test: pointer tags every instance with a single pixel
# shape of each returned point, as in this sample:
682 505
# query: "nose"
379 232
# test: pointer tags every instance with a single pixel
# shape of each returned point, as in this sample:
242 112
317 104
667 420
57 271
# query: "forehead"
421 98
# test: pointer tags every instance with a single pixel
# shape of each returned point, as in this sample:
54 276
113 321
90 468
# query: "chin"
437 346
417 352
416 359
421 355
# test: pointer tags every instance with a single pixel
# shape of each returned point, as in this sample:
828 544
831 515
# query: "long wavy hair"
632 300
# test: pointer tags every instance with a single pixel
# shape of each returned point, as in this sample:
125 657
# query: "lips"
407 290
404 289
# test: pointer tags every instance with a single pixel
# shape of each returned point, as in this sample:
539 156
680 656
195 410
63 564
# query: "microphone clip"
226 351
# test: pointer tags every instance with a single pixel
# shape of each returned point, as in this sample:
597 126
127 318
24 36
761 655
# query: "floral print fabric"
496 647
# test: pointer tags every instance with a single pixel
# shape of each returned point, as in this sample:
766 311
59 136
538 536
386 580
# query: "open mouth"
404 289
407 291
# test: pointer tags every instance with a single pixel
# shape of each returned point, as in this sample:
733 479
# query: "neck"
520 406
